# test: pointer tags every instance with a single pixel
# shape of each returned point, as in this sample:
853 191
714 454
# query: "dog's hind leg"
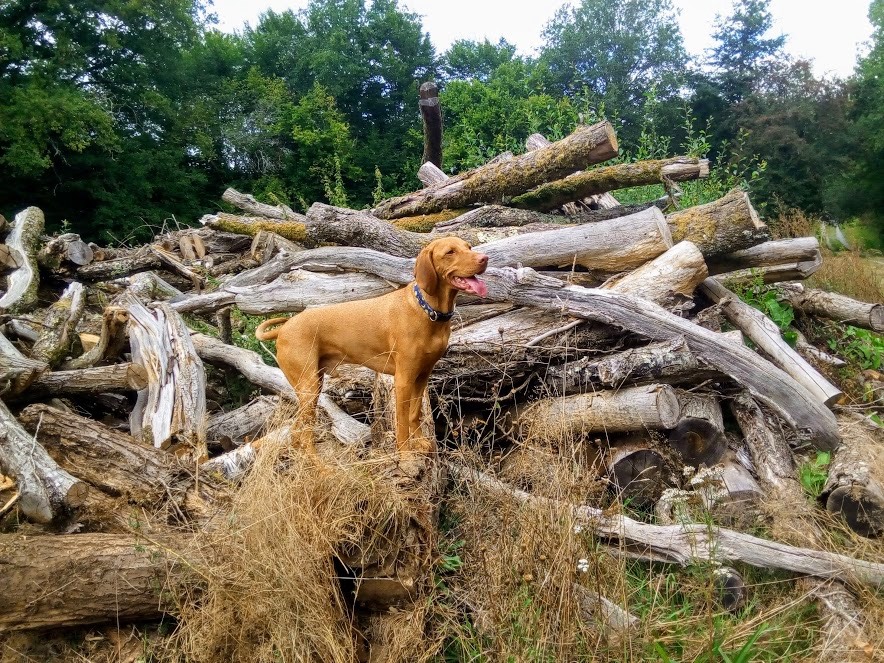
304 374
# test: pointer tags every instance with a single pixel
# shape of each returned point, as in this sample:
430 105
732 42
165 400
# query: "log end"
668 406
637 476
731 589
698 441
862 509
876 318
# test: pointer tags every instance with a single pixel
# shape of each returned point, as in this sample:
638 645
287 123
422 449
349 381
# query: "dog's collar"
433 314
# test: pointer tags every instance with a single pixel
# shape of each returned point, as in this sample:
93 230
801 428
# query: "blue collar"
434 315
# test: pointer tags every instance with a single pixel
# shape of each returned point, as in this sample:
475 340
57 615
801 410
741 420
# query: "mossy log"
250 205
17 372
23 243
431 114
551 195
47 491
766 335
492 182
723 226
59 324
291 229
833 306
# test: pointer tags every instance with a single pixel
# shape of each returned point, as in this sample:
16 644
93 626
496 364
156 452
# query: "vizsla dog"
403 334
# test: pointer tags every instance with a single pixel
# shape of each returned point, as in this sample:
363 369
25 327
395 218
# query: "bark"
834 306
492 216
690 544
148 287
492 182
8 259
556 420
790 271
430 174
766 335
250 205
59 324
23 243
111 342
235 428
767 382
139 261
107 578
431 114
64 248
97 380
46 490
574 187
723 226
17 372
767 254
224 322
855 486
608 246
173 407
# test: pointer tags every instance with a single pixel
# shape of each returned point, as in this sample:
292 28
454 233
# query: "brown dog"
403 333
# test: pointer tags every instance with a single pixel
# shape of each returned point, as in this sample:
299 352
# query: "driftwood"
834 306
23 243
17 372
721 227
46 490
431 114
493 181
689 544
766 335
574 187
57 332
173 406
250 205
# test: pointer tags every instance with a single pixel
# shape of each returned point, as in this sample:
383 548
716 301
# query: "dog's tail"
262 335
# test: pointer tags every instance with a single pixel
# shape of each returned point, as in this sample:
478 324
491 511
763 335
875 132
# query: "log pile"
600 338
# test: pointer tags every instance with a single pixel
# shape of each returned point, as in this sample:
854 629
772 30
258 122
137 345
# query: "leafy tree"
472 60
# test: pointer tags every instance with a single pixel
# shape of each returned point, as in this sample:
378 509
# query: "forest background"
118 117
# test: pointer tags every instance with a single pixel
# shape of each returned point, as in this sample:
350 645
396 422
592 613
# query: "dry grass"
851 274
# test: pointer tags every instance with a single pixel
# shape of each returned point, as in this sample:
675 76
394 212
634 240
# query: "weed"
813 474
861 347
765 298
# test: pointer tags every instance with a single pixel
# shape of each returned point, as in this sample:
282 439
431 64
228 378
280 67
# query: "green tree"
471 60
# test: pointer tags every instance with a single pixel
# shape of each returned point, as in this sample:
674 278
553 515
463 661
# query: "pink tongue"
476 286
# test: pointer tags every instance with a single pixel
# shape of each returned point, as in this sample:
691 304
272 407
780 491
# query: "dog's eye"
449 252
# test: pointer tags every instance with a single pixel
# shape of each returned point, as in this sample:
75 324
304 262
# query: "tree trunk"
766 335
767 254
574 187
726 225
492 182
173 407
47 491
59 323
250 205
855 487
556 420
96 380
834 306
16 370
431 114
23 242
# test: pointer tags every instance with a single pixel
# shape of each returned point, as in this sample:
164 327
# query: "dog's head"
451 261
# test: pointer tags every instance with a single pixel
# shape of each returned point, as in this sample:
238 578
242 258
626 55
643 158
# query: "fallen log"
557 420
635 471
46 490
23 243
493 181
689 544
766 335
64 248
95 380
723 226
790 271
111 341
139 261
173 406
574 187
776 252
235 428
17 372
57 332
431 114
250 205
854 489
146 286
834 306
493 216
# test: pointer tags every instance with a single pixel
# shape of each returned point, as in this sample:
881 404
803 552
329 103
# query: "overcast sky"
828 32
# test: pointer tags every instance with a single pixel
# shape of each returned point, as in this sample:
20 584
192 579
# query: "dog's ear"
425 272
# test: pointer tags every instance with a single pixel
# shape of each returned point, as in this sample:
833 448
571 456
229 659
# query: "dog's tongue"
476 286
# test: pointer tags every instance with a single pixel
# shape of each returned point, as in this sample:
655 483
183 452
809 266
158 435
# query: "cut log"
235 428
250 205
854 489
736 504
23 243
574 187
699 405
176 266
96 380
492 182
789 271
107 578
430 174
834 306
556 420
111 342
689 544
723 226
64 248
608 246
766 335
173 407
732 592
139 261
431 114
266 244
767 254
492 216
635 471
57 332
17 372
46 490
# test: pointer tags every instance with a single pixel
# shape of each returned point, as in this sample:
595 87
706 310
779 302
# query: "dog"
403 334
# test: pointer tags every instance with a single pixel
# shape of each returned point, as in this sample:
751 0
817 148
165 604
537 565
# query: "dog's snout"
483 260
